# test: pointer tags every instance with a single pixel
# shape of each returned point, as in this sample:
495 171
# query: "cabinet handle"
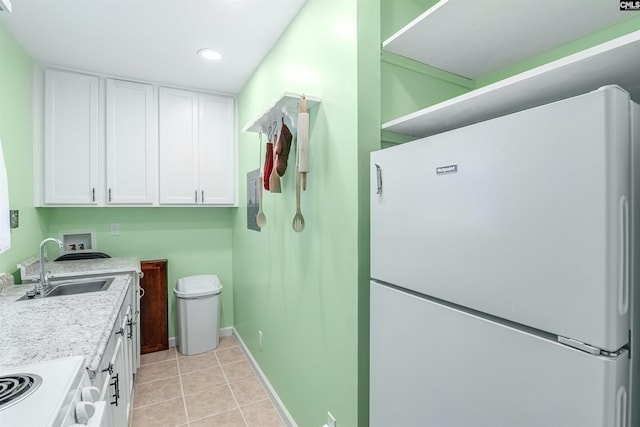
93 194
120 332
130 325
141 291
109 369
116 391
195 193
202 198
109 194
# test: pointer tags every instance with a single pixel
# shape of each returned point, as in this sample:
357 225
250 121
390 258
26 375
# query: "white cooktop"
43 406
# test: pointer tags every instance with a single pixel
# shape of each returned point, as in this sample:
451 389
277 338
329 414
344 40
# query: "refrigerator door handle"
379 178
623 250
621 407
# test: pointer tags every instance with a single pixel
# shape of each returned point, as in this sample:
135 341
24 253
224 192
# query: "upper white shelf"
473 38
287 107
613 62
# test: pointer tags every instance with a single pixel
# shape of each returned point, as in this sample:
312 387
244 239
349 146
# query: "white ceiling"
153 40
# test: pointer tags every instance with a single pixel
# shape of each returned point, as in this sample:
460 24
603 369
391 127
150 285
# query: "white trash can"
198 313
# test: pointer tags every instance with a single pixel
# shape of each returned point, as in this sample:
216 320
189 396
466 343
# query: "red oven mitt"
268 165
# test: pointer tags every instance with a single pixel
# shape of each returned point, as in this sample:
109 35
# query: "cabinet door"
216 150
119 400
126 372
135 318
131 143
178 139
71 141
154 333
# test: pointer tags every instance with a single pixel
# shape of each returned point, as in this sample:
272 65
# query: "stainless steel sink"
73 288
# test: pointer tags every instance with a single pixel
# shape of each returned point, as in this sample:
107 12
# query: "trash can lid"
198 286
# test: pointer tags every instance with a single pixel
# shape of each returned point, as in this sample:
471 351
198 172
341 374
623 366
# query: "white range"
55 393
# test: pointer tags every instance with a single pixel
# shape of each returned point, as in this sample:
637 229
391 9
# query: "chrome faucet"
43 282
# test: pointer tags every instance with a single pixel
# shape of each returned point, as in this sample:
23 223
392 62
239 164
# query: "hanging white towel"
5 230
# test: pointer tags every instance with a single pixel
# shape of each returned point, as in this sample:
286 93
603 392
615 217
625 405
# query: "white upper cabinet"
71 139
216 160
109 142
197 149
178 146
131 146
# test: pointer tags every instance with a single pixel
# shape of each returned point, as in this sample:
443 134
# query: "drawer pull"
116 390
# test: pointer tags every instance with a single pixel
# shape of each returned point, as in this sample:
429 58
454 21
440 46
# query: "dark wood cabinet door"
154 313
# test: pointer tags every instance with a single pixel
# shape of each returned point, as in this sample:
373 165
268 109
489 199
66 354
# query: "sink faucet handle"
37 286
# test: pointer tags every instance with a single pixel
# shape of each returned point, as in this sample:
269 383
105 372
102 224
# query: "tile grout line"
226 379
184 401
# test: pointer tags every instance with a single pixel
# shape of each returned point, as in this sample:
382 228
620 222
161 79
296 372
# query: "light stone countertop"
43 329
30 269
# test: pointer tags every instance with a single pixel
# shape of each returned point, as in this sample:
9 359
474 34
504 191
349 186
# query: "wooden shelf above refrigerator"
613 62
474 38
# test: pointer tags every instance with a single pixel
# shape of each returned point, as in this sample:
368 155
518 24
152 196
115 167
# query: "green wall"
303 290
193 240
398 13
16 114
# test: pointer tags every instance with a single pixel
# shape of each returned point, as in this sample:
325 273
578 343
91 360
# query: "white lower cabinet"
115 376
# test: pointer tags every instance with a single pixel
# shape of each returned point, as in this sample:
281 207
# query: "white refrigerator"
503 260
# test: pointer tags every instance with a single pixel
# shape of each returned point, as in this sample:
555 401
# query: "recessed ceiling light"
209 54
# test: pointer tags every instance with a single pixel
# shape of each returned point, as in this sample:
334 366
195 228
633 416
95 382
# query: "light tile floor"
218 388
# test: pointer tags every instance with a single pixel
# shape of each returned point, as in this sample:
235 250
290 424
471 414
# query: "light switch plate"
115 229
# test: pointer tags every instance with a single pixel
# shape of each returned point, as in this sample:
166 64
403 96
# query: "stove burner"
14 388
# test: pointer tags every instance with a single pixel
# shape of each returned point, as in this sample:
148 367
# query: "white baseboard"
284 413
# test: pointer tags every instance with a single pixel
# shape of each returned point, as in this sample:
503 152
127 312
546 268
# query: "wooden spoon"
261 218
298 219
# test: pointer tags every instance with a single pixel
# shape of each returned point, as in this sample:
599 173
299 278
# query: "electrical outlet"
115 229
331 420
14 218
260 339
